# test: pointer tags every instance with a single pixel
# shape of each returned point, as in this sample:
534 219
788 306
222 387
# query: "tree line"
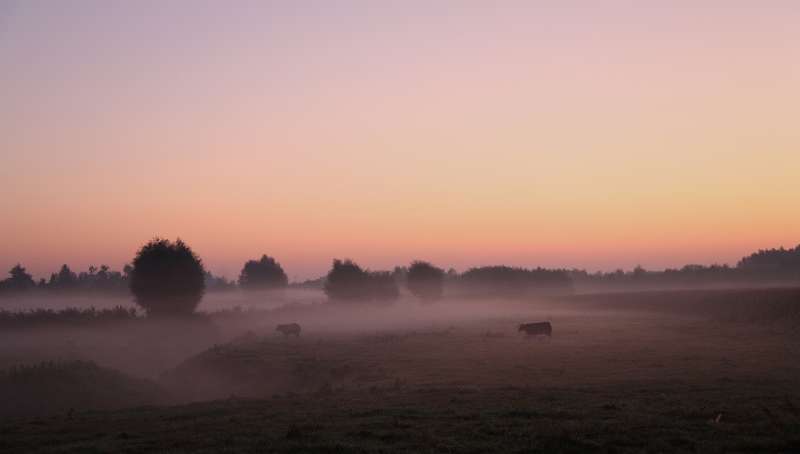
167 277
765 266
100 280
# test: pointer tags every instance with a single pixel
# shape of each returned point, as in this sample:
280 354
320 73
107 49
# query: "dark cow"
537 329
289 329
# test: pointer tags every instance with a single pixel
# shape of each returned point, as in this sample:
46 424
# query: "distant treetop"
263 274
19 280
772 259
346 281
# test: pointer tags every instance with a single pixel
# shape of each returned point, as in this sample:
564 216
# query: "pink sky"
596 134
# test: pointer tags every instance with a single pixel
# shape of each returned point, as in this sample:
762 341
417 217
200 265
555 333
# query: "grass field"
457 377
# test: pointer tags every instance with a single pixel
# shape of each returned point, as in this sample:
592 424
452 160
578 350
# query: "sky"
591 134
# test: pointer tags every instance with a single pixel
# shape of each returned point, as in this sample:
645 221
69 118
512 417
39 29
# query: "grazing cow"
289 329
537 329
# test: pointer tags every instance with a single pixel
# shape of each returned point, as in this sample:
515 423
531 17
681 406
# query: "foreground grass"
720 416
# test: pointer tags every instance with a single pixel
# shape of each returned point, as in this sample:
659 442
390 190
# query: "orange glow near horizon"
562 136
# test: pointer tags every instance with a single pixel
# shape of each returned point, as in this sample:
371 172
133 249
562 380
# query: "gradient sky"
596 134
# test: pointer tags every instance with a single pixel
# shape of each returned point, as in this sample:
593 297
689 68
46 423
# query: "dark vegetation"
764 268
18 281
504 281
263 274
348 282
70 316
95 281
167 278
425 281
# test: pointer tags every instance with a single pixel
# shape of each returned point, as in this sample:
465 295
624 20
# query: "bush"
347 281
425 281
167 278
264 274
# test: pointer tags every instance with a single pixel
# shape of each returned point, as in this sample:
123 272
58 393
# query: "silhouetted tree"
65 279
167 278
772 263
347 281
19 280
263 274
425 281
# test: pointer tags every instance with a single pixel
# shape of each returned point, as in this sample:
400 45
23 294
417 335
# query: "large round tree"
167 278
264 274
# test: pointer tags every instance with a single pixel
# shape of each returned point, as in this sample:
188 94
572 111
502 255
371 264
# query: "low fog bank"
235 349
145 347
212 301
404 314
259 299
145 357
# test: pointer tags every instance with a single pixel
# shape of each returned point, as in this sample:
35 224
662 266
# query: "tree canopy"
425 281
167 278
346 281
263 274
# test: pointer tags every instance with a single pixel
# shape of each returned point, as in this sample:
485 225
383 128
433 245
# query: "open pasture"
624 374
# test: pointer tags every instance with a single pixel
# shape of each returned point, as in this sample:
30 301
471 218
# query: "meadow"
685 371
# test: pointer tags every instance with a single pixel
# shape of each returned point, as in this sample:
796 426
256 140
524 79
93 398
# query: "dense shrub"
347 281
263 274
425 281
167 278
